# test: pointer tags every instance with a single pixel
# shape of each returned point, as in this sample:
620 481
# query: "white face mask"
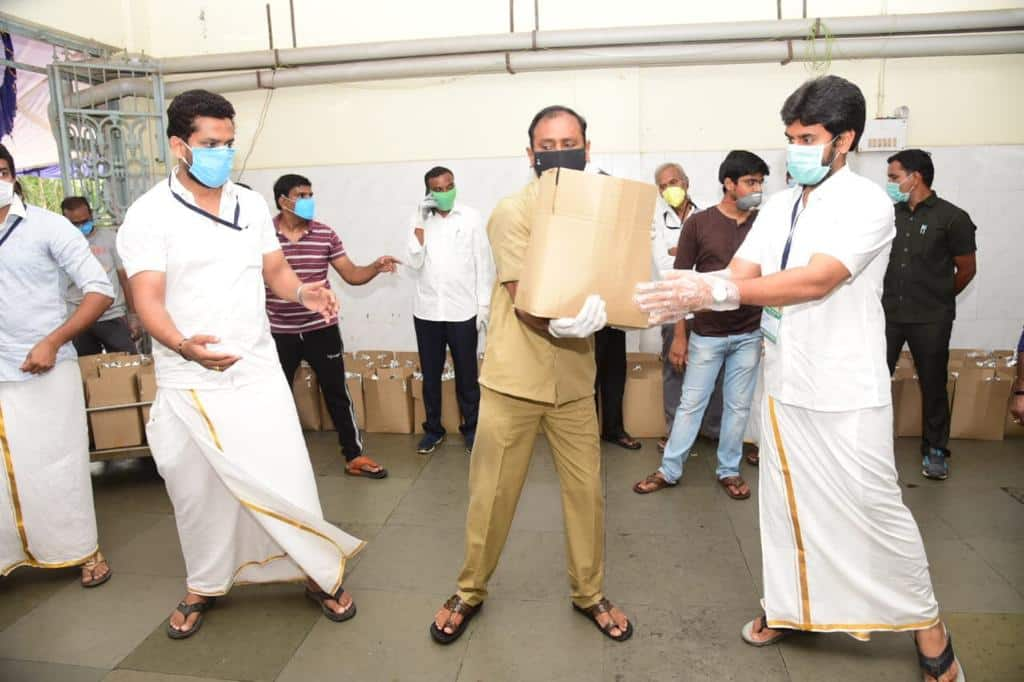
6 193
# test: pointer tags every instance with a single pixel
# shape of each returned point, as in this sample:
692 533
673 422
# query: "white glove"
681 292
483 316
591 318
426 207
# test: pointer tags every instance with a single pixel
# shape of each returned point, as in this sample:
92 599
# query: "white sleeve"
269 242
752 247
141 242
71 252
861 234
484 264
417 252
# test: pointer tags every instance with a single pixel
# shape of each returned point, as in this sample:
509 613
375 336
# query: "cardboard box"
120 428
354 384
907 405
146 381
590 234
408 359
451 418
388 402
306 392
980 404
643 414
89 365
640 358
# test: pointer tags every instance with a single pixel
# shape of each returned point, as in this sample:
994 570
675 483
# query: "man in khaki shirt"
538 373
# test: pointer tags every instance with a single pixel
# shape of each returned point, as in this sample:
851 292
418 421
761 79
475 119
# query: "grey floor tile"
1004 555
522 640
532 567
26 588
131 487
988 644
836 657
352 500
446 463
34 671
143 676
540 508
691 509
396 454
92 628
154 551
435 502
251 634
412 559
964 581
387 640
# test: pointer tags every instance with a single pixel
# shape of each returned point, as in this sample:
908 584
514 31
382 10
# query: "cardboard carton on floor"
146 380
907 406
979 405
590 234
408 359
306 392
641 358
450 416
643 413
388 401
354 384
89 365
120 428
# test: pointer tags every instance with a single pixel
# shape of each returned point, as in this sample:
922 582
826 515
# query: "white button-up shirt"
32 258
214 279
454 268
830 354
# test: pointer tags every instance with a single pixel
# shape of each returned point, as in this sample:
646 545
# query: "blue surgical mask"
211 166
893 189
804 163
305 208
87 227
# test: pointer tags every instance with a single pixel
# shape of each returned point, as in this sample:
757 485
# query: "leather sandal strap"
937 666
186 609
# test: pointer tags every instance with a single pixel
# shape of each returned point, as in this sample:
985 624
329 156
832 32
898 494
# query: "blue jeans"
742 355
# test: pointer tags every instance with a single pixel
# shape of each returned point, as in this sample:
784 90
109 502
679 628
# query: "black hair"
71 203
435 172
831 101
285 184
552 111
190 105
5 155
738 163
916 161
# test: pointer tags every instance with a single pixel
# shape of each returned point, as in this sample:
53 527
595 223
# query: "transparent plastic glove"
426 207
592 317
681 292
483 316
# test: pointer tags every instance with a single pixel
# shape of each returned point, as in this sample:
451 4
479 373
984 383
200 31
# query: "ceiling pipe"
786 29
550 60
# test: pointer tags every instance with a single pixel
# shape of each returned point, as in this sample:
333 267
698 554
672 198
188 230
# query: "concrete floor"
684 563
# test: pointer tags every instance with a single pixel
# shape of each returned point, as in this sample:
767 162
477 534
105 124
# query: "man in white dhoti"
841 552
47 519
223 429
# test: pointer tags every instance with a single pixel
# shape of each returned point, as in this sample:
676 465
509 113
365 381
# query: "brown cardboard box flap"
118 428
388 402
306 392
146 381
643 411
979 406
590 234
451 418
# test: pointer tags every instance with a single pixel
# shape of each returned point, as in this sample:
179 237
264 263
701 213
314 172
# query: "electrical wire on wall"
259 129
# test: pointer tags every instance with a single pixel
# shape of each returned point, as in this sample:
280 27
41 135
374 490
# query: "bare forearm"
158 322
788 287
88 311
360 274
283 282
962 278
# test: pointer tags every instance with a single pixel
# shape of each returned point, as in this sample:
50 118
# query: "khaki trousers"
505 436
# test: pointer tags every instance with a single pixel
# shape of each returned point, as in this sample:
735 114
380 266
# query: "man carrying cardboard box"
454 271
47 519
310 247
842 552
733 339
932 261
538 373
223 429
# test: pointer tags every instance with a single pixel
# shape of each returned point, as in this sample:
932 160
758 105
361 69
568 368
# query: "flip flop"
455 605
321 597
91 566
747 633
363 466
605 606
186 610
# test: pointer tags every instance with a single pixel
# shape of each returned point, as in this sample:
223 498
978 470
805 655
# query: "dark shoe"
623 440
470 439
935 464
429 443
936 667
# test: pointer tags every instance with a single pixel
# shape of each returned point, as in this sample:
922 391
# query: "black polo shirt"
919 283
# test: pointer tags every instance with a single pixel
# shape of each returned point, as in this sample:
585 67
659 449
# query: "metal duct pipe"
549 60
786 29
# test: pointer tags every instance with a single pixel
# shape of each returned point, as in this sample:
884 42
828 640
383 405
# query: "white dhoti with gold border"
245 499
841 551
47 518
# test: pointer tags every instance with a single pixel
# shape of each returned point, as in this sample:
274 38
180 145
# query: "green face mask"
445 200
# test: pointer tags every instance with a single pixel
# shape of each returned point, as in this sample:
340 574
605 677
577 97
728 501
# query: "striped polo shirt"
309 258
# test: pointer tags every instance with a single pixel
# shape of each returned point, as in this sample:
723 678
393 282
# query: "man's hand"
419 235
317 297
677 353
386 264
483 316
134 327
194 348
426 207
681 292
41 358
592 317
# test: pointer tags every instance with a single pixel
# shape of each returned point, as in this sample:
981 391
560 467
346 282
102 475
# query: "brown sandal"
91 565
605 606
733 486
455 605
655 480
761 623
366 467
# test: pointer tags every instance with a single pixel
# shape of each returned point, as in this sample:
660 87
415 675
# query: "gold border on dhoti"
853 629
273 514
801 558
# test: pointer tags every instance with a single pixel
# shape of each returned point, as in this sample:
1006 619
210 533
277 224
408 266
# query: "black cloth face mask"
575 159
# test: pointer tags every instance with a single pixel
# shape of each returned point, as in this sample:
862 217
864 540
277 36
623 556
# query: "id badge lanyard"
10 230
771 316
217 219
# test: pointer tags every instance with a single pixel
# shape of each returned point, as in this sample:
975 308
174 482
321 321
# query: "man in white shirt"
842 552
223 429
450 254
47 518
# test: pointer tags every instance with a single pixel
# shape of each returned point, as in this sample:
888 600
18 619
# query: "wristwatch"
719 292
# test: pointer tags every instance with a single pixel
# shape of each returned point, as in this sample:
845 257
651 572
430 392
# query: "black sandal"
938 666
605 606
187 610
321 597
455 605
